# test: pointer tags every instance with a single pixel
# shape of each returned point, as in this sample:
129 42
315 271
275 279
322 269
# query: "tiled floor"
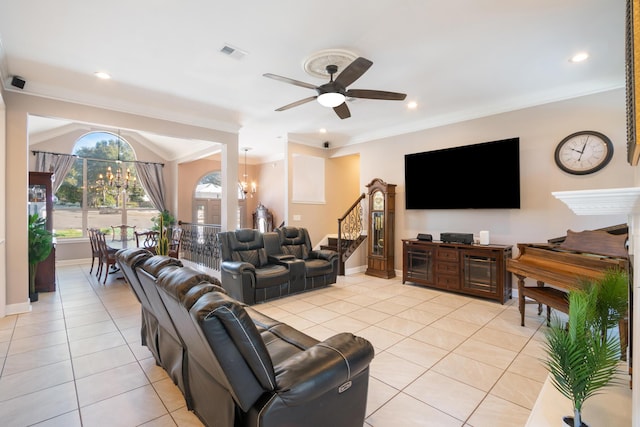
441 359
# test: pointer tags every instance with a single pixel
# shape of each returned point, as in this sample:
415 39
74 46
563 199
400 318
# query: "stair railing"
200 244
350 227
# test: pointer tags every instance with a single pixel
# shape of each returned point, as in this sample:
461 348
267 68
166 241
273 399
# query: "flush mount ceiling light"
331 99
579 57
102 75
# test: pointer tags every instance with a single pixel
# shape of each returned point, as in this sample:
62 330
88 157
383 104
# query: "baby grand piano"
559 265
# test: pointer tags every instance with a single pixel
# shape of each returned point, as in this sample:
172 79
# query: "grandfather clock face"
378 201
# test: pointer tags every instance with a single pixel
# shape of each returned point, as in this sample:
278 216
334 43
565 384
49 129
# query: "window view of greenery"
101 190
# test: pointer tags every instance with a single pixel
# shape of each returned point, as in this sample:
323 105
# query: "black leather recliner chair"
247 272
321 266
278 376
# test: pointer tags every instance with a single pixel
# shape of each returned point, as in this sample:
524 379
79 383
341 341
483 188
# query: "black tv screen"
479 176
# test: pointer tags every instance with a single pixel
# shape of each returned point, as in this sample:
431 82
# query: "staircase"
351 233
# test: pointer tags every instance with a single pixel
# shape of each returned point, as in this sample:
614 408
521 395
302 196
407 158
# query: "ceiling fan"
334 93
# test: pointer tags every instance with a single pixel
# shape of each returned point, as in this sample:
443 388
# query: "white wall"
540 129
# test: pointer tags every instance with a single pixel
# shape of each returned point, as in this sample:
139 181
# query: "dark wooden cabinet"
40 198
478 270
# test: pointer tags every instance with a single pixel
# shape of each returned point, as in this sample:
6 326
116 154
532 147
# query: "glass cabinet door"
38 200
377 232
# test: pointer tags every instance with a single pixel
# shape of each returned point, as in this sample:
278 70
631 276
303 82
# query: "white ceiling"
457 59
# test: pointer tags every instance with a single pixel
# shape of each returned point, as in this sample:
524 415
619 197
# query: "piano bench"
551 297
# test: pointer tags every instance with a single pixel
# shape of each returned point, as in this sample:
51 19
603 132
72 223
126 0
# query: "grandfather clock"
382 200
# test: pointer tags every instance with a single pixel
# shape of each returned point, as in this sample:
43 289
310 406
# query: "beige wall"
540 129
341 190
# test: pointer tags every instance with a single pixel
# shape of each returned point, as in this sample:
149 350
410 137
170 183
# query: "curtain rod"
94 159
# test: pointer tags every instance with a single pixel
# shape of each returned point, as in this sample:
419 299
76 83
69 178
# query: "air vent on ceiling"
233 52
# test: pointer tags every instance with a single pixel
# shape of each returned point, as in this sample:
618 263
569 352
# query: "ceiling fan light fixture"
331 99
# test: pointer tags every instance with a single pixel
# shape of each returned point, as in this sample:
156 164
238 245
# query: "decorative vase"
568 422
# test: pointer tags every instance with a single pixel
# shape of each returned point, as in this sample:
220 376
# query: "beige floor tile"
51 402
36 379
90 330
127 409
439 337
70 419
380 338
399 325
448 395
163 421
530 367
320 332
406 411
496 412
318 314
418 352
379 393
487 353
32 330
388 307
395 371
368 315
459 327
469 371
97 343
22 345
170 394
106 384
36 358
362 299
345 324
419 316
501 339
100 361
517 389
434 307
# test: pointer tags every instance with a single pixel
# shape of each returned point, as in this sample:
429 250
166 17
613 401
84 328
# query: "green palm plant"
582 354
40 245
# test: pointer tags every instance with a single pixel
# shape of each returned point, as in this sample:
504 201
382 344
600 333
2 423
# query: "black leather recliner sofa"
238 367
257 267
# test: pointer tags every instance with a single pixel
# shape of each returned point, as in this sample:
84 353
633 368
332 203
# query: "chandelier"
245 178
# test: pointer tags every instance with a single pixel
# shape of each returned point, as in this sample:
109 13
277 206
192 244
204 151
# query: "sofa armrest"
280 258
330 364
325 254
237 267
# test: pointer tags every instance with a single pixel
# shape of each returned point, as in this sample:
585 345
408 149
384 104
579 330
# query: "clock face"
378 201
584 152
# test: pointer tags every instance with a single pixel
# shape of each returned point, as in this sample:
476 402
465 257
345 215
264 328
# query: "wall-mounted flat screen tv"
478 176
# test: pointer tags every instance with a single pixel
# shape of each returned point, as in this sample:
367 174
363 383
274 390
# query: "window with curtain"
101 189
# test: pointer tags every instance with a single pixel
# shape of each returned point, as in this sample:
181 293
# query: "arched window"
206 200
101 190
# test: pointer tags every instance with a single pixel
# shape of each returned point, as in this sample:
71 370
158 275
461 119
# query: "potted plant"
40 244
583 353
164 219
163 242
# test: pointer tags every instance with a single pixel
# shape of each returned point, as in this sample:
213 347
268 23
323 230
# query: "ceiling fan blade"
295 104
290 81
353 71
342 111
376 94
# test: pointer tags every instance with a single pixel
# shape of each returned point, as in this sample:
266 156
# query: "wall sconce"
246 188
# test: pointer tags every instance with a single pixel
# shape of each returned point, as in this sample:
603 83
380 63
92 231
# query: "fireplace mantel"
609 201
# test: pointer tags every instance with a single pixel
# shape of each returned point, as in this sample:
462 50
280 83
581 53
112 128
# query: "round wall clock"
584 152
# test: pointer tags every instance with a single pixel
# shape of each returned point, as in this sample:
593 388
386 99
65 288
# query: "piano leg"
521 302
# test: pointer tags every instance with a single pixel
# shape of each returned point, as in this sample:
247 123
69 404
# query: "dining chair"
147 239
95 250
107 255
174 245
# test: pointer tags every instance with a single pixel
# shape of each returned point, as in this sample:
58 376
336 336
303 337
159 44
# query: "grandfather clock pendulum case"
382 199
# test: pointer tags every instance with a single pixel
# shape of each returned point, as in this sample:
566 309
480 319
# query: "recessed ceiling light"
579 57
102 75
412 105
322 130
